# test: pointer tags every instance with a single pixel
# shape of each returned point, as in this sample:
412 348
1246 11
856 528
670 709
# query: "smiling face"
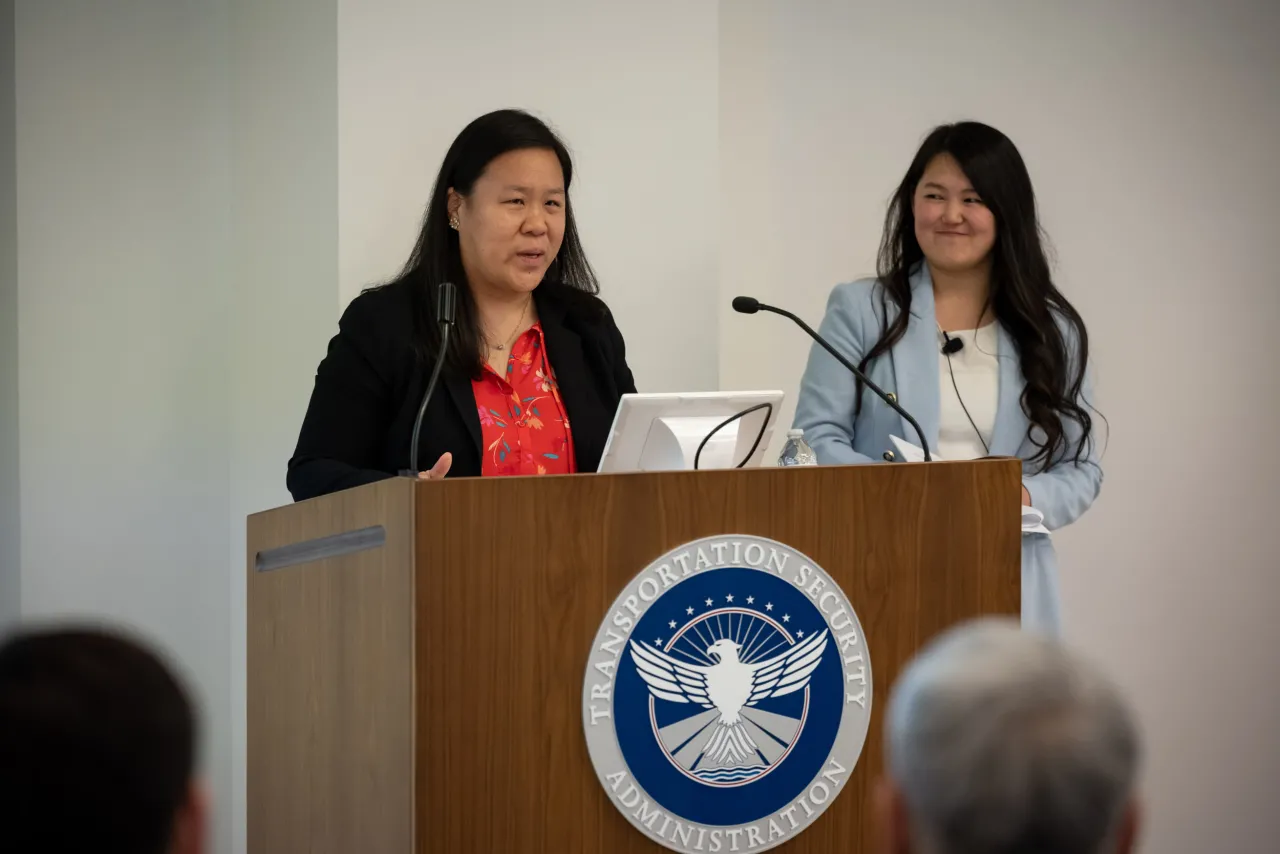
511 225
955 229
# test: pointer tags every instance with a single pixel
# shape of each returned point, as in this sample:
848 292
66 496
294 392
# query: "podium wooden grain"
419 689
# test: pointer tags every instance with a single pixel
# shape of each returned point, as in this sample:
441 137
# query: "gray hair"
1002 741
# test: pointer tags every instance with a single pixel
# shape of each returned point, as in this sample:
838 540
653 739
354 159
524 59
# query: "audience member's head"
1000 741
97 743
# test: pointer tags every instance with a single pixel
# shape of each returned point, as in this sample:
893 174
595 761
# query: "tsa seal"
727 695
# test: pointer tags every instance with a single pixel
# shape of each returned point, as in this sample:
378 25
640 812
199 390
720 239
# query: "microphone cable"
697 456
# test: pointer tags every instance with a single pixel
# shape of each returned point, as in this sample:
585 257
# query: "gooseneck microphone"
446 307
750 305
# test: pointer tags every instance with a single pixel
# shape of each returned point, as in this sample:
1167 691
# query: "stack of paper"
1033 521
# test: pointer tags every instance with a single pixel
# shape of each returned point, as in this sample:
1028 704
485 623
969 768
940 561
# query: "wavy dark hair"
1022 294
437 258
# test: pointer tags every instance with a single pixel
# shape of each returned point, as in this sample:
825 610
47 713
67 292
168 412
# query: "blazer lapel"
568 359
915 363
464 398
1011 422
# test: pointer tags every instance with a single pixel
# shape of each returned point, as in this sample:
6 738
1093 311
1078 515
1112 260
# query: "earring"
453 222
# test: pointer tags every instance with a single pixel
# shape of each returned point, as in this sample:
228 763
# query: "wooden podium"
416 650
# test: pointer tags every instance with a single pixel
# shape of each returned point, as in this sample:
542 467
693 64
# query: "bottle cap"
795 433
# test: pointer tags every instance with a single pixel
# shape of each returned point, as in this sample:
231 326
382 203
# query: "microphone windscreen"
447 302
746 305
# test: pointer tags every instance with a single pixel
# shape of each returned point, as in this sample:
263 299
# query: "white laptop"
669 432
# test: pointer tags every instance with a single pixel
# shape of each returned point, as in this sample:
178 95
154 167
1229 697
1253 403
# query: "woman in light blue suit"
964 324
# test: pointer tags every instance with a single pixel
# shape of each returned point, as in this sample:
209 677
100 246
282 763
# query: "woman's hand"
1026 496
441 468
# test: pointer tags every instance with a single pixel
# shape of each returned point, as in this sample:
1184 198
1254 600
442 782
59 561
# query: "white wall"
123 205
202 185
1150 133
10 504
177 282
756 194
631 88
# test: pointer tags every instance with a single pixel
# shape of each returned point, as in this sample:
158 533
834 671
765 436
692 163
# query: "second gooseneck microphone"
750 305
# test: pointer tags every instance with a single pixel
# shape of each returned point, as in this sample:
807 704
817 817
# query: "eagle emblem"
729 686
727 695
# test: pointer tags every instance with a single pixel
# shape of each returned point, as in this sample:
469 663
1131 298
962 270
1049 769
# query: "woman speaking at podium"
964 324
535 365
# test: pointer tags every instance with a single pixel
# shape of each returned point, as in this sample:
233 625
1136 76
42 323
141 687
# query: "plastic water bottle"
797 451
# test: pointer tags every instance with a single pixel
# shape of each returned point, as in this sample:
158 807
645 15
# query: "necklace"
512 336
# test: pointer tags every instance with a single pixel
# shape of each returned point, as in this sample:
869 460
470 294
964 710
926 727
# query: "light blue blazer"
825 407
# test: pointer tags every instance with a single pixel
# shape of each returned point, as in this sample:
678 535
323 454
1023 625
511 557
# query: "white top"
977 376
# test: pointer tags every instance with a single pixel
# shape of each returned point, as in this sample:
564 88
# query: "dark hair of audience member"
97 744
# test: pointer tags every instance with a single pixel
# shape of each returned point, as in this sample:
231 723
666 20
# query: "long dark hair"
437 258
1023 296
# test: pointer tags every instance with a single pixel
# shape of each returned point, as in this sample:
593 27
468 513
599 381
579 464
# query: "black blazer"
369 386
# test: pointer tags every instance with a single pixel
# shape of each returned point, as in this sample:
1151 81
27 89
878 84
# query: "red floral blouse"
523 425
